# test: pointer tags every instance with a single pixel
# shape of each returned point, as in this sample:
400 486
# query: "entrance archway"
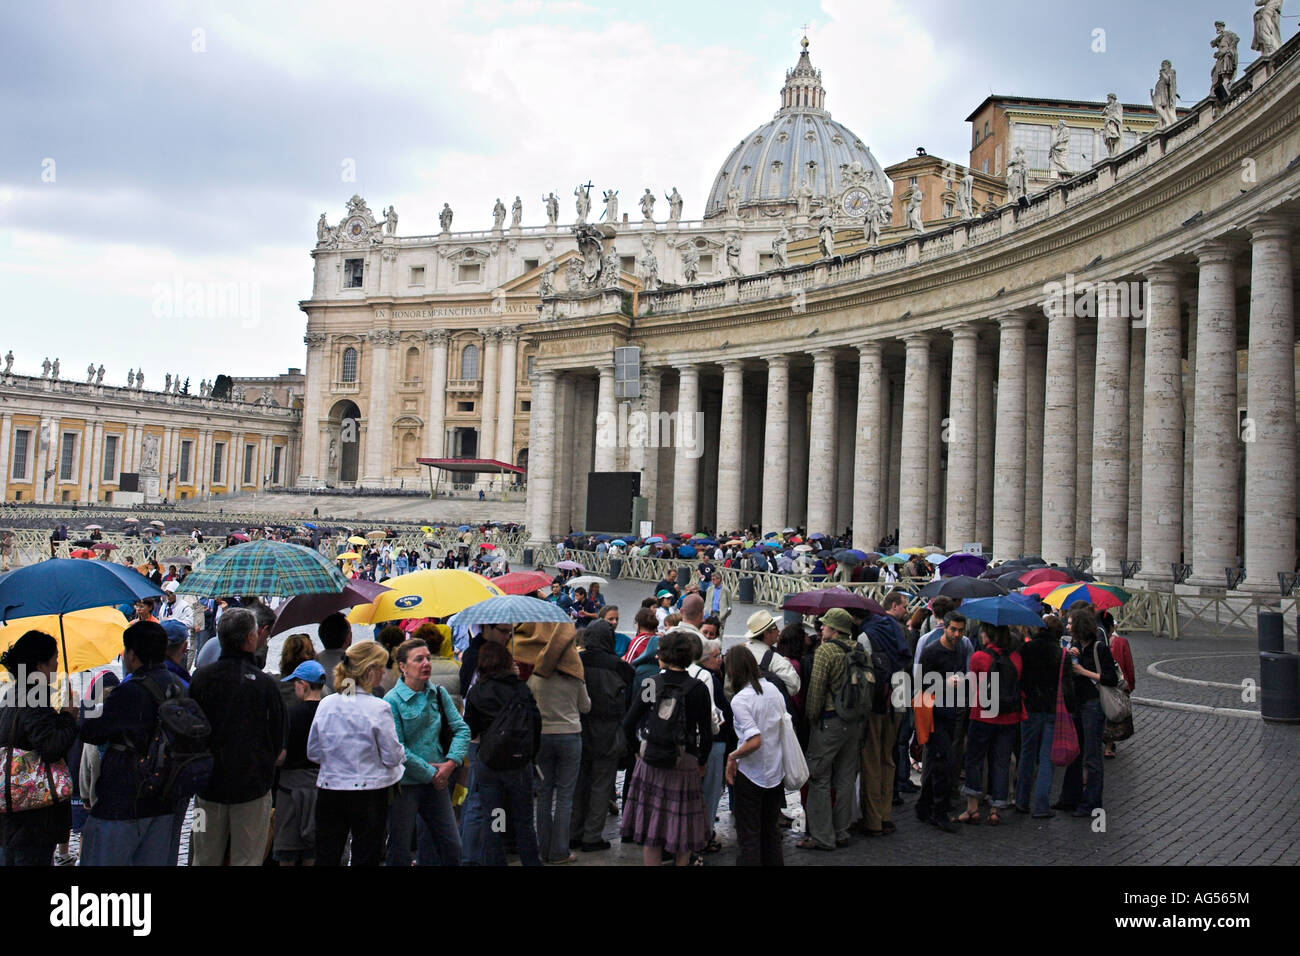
345 443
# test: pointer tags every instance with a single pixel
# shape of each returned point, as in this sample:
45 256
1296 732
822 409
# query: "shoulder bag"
1115 703
31 782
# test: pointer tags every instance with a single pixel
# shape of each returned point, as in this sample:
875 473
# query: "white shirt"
760 715
702 675
779 666
354 739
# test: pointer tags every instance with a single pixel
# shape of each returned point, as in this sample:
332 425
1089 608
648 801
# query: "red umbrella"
487 547
823 599
1040 575
522 582
1041 589
81 553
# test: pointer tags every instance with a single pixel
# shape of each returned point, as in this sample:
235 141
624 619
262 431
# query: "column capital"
508 333
732 365
871 347
964 330
437 337
688 371
1216 250
1270 225
917 339
823 355
546 375
1011 320
1165 273
778 361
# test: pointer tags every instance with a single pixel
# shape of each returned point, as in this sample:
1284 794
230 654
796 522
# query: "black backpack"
1004 688
507 744
178 762
663 732
764 669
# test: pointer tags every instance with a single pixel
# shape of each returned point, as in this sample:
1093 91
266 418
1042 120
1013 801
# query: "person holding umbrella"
994 719
28 837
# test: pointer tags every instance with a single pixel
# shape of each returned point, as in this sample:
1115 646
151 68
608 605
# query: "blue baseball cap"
309 671
177 631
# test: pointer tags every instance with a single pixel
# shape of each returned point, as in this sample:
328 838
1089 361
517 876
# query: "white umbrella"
584 580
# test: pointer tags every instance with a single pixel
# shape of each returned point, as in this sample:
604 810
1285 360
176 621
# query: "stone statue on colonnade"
648 205
674 206
690 263
9 361
516 213
914 210
1060 154
498 215
1268 27
779 247
582 202
1225 60
1017 176
444 217
552 208
965 196
1112 131
1164 96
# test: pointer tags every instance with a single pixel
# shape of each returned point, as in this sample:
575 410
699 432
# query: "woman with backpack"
504 720
995 715
671 720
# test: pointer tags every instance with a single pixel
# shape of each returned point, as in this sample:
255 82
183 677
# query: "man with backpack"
760 640
127 827
889 656
839 700
609 683
246 711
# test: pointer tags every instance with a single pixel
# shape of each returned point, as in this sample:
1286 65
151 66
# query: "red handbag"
1065 742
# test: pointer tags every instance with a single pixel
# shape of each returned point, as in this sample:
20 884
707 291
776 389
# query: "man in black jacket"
609 680
246 711
124 830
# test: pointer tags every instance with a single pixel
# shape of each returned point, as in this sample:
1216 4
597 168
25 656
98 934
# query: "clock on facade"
355 228
854 202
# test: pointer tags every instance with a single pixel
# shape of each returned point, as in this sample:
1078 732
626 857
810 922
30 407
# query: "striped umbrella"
511 609
1102 596
265 567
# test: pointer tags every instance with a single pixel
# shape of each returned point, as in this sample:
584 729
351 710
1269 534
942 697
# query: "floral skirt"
665 808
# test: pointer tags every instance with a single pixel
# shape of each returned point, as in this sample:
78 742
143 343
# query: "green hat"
838 619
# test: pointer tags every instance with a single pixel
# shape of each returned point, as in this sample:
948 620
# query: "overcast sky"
147 146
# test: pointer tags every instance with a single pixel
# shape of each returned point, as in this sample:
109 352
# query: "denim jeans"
558 759
471 814
992 742
1035 769
28 855
433 807
591 798
501 792
143 842
711 787
1090 724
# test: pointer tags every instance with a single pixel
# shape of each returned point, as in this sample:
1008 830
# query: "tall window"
187 450
412 364
219 463
276 456
67 456
353 273
469 363
531 359
22 441
109 472
1083 151
1037 141
349 365
627 372
249 452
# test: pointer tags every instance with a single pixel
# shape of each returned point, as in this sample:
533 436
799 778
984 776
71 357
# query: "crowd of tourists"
437 744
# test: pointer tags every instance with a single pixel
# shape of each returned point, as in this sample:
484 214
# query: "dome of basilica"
801 143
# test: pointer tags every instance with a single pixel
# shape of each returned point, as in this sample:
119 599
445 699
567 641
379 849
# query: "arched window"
530 361
349 365
469 363
412 364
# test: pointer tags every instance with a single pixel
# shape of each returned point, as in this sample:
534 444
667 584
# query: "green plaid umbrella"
265 567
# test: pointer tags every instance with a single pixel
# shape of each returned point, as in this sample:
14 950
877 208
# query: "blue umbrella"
686 551
654 539
62 585
604 537
511 609
754 551
620 542
1001 611
1028 600
463 527
771 544
308 524
708 541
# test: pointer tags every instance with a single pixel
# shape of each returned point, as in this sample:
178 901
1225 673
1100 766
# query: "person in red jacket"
994 714
1123 654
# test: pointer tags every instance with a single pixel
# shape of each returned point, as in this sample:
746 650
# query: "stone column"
985 411
1084 385
435 433
867 478
1270 427
730 436
1189 423
751 500
960 525
934 444
690 444
541 458
1109 532
914 463
707 516
797 488
643 455
318 379
376 470
564 453
1214 444
821 444
1059 460
505 448
776 445
1035 395
584 440
895 452
487 435
1137 364
6 467
606 422
1009 441
1162 429
887 465
845 425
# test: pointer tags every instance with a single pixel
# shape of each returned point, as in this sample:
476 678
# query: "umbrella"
655 539
59 586
94 527
686 551
104 546
487 547
158 524
1103 597
620 542
81 553
92 637
814 537
936 558
305 609
570 566
1039 575
239 536
1028 600
265 567
432 593
511 609
308 524
84 543
464 527
734 541
893 559
913 551
347 556
522 582
785 531
1010 581
500 558
823 599
850 556
1001 611
376 535
357 540
584 580
803 548
180 559
131 520
963 588
711 542
604 537
771 545
970 565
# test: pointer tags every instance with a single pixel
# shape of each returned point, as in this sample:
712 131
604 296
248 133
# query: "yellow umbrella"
357 540
426 529
93 636
915 551
347 556
434 593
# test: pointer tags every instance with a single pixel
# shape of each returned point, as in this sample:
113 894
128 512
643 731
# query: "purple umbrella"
823 599
311 608
963 565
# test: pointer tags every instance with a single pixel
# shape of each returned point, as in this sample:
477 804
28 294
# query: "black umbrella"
962 588
1010 580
